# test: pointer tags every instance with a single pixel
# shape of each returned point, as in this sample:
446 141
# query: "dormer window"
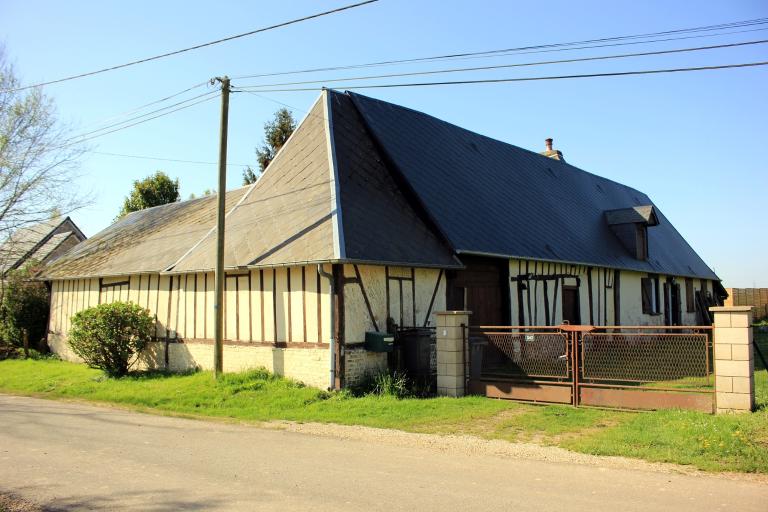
630 225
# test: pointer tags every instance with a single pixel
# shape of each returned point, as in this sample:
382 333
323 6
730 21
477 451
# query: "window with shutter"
645 286
649 286
690 299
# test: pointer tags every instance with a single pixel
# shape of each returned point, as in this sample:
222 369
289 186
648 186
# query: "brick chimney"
552 153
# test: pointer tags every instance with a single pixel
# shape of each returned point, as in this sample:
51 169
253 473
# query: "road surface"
70 456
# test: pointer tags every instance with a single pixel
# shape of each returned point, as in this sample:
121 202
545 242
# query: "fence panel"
521 363
646 368
625 367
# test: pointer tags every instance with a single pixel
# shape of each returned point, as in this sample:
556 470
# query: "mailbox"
379 341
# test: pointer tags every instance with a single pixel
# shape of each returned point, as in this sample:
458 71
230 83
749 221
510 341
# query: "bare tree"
38 160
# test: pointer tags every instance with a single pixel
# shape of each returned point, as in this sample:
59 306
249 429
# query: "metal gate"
613 366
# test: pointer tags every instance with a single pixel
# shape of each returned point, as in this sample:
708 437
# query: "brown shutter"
677 305
645 286
690 300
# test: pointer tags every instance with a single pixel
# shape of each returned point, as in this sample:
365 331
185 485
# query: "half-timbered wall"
409 296
374 293
287 305
274 308
536 294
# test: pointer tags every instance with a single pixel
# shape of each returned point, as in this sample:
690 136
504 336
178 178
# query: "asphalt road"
78 457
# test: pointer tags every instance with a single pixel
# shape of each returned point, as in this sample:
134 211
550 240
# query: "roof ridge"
339 245
242 199
430 217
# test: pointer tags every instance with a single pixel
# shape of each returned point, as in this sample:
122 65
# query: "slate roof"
490 197
286 216
145 241
380 223
362 180
291 215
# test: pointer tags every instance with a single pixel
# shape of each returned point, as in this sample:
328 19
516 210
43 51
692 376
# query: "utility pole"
218 304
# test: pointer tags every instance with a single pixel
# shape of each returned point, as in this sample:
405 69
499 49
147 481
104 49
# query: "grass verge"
712 443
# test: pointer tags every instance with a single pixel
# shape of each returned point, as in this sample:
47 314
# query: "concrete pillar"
450 352
734 359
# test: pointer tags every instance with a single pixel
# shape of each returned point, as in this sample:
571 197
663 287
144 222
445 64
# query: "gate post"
451 378
734 359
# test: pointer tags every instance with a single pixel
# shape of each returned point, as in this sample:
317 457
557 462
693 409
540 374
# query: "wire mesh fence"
519 352
681 359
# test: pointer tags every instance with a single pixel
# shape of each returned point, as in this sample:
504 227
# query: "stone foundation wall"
360 363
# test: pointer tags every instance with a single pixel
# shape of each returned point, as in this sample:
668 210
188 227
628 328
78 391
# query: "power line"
196 47
142 107
143 157
139 122
541 48
209 93
530 79
504 66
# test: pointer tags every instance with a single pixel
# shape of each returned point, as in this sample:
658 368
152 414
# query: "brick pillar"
734 359
450 352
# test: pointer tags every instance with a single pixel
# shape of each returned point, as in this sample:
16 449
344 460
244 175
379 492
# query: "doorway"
571 310
482 288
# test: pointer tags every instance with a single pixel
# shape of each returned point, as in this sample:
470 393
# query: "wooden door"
571 311
482 288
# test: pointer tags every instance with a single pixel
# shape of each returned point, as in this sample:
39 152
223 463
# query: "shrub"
24 306
110 336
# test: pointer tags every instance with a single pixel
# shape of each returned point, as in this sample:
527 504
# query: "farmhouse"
371 215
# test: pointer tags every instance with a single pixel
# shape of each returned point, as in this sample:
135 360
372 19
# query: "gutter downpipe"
332 341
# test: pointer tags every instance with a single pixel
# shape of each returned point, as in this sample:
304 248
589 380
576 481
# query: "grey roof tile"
491 197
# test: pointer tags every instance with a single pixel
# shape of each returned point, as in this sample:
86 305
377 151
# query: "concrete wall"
604 290
283 313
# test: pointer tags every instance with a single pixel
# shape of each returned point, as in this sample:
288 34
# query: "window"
690 299
641 241
650 290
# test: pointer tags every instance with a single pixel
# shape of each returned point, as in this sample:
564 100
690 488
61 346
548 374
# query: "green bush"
110 336
24 307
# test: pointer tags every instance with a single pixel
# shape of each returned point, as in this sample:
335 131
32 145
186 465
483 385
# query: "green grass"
251 396
713 443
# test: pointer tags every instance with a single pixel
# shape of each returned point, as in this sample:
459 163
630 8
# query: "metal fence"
520 352
614 366
644 355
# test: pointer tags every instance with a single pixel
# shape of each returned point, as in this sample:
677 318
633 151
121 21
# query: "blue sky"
694 142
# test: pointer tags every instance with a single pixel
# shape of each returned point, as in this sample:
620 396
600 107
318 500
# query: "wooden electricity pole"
218 305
